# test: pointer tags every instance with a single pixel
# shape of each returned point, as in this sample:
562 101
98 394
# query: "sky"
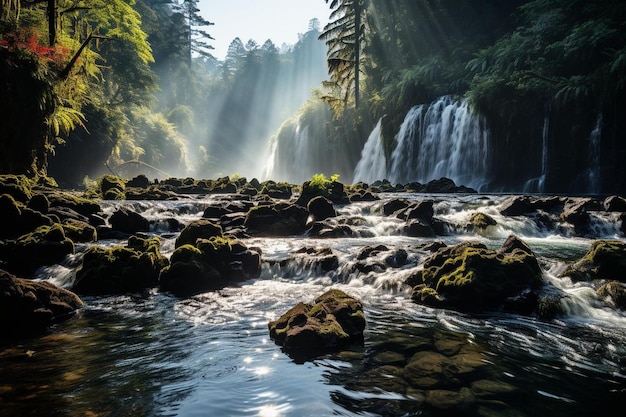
278 20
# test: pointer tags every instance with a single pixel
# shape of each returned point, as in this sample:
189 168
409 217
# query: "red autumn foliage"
27 40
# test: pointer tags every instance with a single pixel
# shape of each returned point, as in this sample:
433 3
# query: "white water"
444 139
593 173
373 164
538 185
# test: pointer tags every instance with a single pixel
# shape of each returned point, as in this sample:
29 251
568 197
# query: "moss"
82 205
79 231
185 253
481 221
606 259
199 229
114 194
108 182
18 186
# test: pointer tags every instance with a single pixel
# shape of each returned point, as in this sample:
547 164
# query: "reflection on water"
211 355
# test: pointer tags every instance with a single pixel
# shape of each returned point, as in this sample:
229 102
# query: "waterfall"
373 165
444 139
593 172
538 185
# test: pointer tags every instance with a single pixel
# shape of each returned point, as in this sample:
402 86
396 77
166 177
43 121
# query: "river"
210 355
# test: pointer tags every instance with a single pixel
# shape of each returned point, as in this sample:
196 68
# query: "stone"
129 221
480 221
321 208
606 259
79 231
28 307
280 219
451 401
615 203
615 293
334 320
419 228
470 277
517 205
198 229
122 269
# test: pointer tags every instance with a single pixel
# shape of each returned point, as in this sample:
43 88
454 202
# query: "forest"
131 86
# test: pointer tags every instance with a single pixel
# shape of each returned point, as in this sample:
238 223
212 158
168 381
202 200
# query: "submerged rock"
121 269
334 320
471 277
606 259
28 307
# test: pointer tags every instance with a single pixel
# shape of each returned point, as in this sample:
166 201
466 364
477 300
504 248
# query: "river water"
210 355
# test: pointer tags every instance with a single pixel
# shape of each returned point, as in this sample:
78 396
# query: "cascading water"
444 139
373 165
538 185
593 172
290 155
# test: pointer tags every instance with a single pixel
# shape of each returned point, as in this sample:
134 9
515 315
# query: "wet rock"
281 219
16 221
122 269
451 401
331 189
112 187
334 320
445 186
426 370
39 203
129 221
79 231
615 203
480 221
140 181
363 195
606 259
322 259
17 186
389 358
47 245
83 206
149 193
210 265
198 229
419 228
471 277
517 206
615 292
394 206
575 213
422 210
321 208
28 307
492 389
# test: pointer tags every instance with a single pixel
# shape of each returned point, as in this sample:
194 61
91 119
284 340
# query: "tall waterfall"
290 154
538 185
444 139
373 165
593 172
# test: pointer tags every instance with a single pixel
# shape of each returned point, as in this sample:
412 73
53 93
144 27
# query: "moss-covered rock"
28 307
480 221
39 203
79 231
17 186
280 219
112 187
471 277
606 259
210 265
198 229
129 221
81 205
615 293
334 320
46 245
280 190
121 269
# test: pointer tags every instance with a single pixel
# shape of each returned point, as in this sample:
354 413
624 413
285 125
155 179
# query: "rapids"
210 355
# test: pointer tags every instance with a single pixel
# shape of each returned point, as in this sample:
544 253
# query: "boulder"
395 205
47 245
140 181
615 203
28 307
198 229
517 206
129 221
79 231
606 259
112 187
321 208
422 210
17 186
575 213
480 221
39 203
615 292
470 277
334 320
16 221
121 269
210 265
69 200
419 228
280 219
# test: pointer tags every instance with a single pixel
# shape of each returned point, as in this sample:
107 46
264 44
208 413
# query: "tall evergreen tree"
196 36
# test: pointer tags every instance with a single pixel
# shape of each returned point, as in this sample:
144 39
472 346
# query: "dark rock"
28 307
140 181
148 193
615 203
78 231
78 204
281 219
419 228
39 203
321 208
198 229
363 195
606 259
64 213
422 211
615 292
445 186
122 269
575 213
333 321
471 277
16 221
17 186
323 260
129 221
112 187
395 205
517 206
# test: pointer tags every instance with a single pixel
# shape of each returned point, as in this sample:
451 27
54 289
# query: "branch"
66 71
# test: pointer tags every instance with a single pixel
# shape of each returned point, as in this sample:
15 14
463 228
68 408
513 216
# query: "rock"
480 221
615 203
17 186
517 206
129 221
392 207
334 320
140 181
121 269
276 190
321 208
606 259
280 219
363 195
460 401
322 259
112 187
28 307
210 265
330 189
622 219
198 229
615 292
16 221
445 185
471 277
575 213
491 389
39 203
78 231
80 205
47 245
419 228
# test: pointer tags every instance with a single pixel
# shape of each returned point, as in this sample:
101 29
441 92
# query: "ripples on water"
210 355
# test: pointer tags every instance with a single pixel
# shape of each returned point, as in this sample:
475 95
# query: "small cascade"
444 139
538 185
593 172
291 153
373 164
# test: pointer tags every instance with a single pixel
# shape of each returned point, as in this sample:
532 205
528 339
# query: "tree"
197 38
344 35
